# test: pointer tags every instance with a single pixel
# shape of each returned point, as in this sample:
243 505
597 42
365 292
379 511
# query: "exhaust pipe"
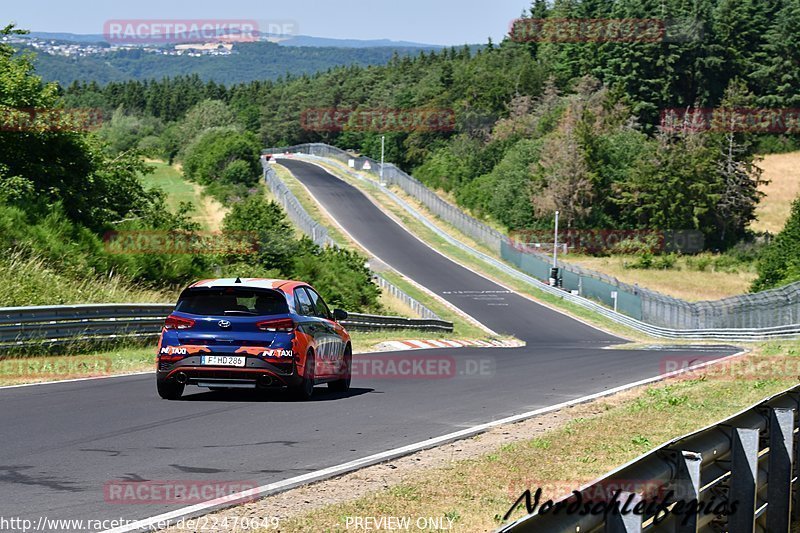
181 378
264 381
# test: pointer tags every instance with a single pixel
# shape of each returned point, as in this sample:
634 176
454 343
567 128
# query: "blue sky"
449 22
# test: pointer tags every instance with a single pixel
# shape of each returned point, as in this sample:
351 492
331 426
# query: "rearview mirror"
339 315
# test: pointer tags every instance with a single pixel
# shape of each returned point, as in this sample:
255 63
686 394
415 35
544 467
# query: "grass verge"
208 211
109 361
469 260
690 278
462 327
33 281
474 482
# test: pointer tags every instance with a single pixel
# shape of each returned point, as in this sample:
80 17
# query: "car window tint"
303 303
319 304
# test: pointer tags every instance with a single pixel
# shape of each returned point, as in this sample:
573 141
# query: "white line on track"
77 379
207 507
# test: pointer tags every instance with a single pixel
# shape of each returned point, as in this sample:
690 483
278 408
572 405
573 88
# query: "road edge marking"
165 519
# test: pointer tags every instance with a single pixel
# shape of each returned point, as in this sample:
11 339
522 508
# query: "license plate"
223 360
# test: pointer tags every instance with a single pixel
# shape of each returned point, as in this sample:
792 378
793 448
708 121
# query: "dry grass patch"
475 481
783 171
679 282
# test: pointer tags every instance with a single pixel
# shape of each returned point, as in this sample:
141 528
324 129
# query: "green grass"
170 180
311 206
465 258
31 281
16 370
596 438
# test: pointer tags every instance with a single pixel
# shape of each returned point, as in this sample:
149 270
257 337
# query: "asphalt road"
62 443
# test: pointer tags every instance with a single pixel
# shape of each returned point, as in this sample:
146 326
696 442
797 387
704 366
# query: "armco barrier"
750 459
61 324
319 235
740 316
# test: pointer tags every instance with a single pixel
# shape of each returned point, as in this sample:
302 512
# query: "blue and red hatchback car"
253 333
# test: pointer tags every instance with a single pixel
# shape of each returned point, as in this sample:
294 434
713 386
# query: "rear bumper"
256 374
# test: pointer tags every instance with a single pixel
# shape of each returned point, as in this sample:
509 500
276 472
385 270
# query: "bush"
237 172
340 276
211 153
780 262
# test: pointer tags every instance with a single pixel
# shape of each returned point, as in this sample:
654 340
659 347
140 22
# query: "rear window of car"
232 302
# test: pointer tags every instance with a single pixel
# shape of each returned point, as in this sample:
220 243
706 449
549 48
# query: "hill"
248 62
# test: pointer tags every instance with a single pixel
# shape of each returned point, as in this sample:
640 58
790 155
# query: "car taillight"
178 322
283 325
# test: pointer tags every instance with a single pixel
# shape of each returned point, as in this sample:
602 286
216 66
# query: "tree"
206 115
738 172
215 149
780 262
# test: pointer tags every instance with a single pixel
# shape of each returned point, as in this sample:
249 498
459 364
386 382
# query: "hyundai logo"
224 324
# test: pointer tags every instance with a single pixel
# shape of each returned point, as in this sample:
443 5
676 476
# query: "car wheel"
305 390
169 390
343 384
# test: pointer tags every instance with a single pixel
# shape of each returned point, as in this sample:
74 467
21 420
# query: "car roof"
249 283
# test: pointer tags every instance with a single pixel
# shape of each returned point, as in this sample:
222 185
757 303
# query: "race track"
63 442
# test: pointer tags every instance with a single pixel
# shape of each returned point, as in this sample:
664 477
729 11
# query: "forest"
541 124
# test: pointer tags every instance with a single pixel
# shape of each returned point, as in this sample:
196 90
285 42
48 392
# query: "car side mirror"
339 315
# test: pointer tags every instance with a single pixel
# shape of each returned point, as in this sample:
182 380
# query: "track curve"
63 442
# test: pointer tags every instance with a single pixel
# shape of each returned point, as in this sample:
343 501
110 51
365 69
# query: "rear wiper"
236 312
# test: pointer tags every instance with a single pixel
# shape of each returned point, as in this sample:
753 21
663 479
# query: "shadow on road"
321 394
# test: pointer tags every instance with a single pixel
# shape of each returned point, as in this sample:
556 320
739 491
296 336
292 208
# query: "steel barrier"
750 459
646 313
60 324
320 236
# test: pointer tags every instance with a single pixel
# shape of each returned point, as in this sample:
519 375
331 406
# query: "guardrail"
61 324
724 334
776 308
750 458
319 235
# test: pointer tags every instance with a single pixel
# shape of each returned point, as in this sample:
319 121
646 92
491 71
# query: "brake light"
283 325
178 322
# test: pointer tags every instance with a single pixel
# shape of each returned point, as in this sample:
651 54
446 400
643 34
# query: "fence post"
625 523
688 477
780 469
744 479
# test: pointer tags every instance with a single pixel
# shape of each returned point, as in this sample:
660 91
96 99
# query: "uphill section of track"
493 305
63 443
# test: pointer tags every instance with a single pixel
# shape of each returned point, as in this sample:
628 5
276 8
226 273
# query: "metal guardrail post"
688 479
744 478
625 523
781 466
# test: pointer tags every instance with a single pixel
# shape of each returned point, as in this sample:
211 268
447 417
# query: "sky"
445 22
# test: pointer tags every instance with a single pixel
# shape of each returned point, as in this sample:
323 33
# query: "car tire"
169 390
343 385
305 390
